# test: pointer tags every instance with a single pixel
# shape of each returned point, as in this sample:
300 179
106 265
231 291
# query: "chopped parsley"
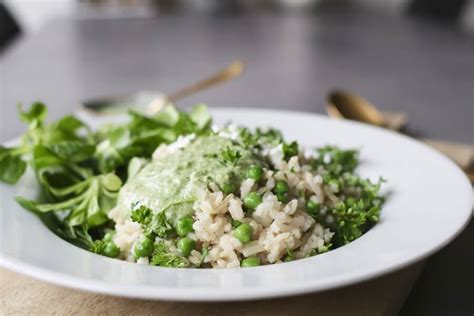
153 224
141 215
162 256
230 156
290 150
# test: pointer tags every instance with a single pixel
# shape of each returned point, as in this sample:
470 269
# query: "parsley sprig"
230 156
153 224
162 256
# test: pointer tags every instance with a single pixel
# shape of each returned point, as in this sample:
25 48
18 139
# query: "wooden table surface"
20 295
419 67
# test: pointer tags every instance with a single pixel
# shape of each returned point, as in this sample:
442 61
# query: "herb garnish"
230 156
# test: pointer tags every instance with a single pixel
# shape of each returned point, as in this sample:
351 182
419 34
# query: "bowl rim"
252 293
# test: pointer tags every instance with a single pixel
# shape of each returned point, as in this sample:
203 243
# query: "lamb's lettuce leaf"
12 166
80 171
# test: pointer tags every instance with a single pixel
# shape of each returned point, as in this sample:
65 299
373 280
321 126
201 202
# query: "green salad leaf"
116 150
200 116
85 202
77 235
143 134
35 114
81 171
12 166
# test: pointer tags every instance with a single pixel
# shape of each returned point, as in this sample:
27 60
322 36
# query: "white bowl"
429 202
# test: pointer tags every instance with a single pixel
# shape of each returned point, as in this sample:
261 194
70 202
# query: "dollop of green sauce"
169 184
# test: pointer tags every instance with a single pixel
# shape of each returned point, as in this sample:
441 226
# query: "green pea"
281 187
185 246
143 248
312 206
111 250
184 226
255 172
243 233
228 188
250 262
111 182
252 200
108 236
282 197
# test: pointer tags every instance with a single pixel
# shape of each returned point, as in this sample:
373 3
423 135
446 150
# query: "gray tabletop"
419 67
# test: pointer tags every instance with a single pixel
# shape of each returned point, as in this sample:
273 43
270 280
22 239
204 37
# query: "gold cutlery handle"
230 72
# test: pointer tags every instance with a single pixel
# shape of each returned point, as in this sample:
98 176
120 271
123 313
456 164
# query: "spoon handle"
462 154
394 120
231 71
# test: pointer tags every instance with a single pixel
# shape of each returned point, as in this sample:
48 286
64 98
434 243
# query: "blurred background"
32 14
412 56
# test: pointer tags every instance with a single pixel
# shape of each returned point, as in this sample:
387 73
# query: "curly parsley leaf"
260 137
98 246
230 156
164 257
335 161
320 250
356 212
160 226
142 215
153 224
290 255
290 150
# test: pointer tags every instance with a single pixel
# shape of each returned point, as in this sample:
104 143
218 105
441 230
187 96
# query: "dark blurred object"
438 9
9 29
167 6
443 290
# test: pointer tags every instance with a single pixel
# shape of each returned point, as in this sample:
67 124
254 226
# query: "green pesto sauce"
169 184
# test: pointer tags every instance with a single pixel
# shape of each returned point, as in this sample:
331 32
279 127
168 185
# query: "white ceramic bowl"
429 202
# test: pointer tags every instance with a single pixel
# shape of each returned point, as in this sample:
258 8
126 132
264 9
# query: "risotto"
231 199
172 190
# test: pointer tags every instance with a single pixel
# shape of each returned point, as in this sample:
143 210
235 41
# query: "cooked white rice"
278 228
